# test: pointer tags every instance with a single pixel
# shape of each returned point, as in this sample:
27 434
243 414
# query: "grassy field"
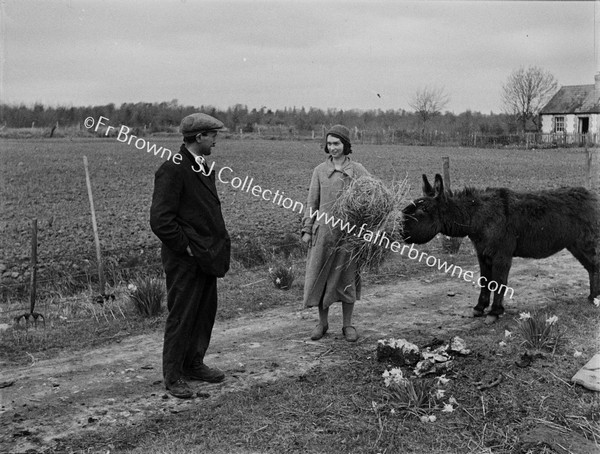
328 410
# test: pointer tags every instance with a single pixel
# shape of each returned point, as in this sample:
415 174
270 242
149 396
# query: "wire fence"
392 136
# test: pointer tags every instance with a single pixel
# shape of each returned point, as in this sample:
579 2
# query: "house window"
584 125
559 124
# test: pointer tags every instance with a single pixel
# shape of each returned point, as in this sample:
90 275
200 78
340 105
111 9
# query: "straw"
367 200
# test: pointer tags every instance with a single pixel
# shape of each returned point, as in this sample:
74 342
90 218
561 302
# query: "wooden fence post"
450 245
94 226
446 174
592 176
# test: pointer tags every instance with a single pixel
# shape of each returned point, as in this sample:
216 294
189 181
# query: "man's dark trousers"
192 304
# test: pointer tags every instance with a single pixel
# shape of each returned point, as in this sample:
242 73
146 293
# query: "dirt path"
120 384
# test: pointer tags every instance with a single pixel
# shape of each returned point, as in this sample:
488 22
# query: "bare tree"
525 93
428 103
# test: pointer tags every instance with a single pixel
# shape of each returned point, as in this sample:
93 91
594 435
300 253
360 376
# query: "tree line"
166 117
525 92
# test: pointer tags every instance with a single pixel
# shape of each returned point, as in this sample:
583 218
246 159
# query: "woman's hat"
340 131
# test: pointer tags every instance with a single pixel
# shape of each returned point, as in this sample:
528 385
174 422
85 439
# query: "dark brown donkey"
503 224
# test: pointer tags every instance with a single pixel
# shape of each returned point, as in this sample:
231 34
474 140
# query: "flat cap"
198 122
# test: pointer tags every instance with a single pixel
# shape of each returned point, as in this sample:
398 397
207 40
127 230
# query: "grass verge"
345 408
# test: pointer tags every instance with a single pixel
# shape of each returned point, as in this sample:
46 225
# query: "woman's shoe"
350 333
319 332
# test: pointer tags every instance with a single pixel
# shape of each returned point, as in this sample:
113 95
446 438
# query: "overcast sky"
325 54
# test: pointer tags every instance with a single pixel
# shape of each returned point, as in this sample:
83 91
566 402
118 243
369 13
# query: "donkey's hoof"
478 313
490 319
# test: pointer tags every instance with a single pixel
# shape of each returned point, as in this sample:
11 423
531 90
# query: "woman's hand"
306 237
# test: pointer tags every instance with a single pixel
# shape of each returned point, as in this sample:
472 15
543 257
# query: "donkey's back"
539 224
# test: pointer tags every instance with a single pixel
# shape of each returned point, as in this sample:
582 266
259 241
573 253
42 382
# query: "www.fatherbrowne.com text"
277 197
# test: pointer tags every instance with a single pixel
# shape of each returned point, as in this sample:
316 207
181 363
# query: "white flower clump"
524 315
442 380
552 320
430 418
132 287
394 375
401 344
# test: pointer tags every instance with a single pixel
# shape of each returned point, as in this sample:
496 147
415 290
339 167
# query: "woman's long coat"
330 274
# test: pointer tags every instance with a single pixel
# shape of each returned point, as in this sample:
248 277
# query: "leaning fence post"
94 226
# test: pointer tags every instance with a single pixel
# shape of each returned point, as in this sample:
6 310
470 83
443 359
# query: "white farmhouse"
573 114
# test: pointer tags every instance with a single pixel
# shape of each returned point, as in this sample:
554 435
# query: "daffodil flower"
442 380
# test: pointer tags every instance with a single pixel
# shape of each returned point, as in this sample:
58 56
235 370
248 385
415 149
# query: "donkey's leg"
587 254
500 270
485 270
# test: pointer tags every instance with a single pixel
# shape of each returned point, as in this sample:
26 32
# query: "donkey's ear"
427 189
438 186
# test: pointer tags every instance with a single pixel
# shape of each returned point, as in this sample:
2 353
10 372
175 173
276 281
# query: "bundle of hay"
367 200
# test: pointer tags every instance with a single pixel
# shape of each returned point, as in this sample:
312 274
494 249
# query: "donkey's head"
422 218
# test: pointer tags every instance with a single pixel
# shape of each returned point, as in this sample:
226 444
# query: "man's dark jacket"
186 211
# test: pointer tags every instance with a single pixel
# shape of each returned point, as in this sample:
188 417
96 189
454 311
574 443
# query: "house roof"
574 99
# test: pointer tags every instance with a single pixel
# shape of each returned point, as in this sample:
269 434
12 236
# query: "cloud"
287 53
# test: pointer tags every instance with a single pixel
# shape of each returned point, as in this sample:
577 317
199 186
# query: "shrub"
147 295
413 395
538 331
282 276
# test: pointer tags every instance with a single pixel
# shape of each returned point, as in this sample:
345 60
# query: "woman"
330 274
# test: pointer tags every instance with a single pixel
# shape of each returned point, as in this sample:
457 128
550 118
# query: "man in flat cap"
186 216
